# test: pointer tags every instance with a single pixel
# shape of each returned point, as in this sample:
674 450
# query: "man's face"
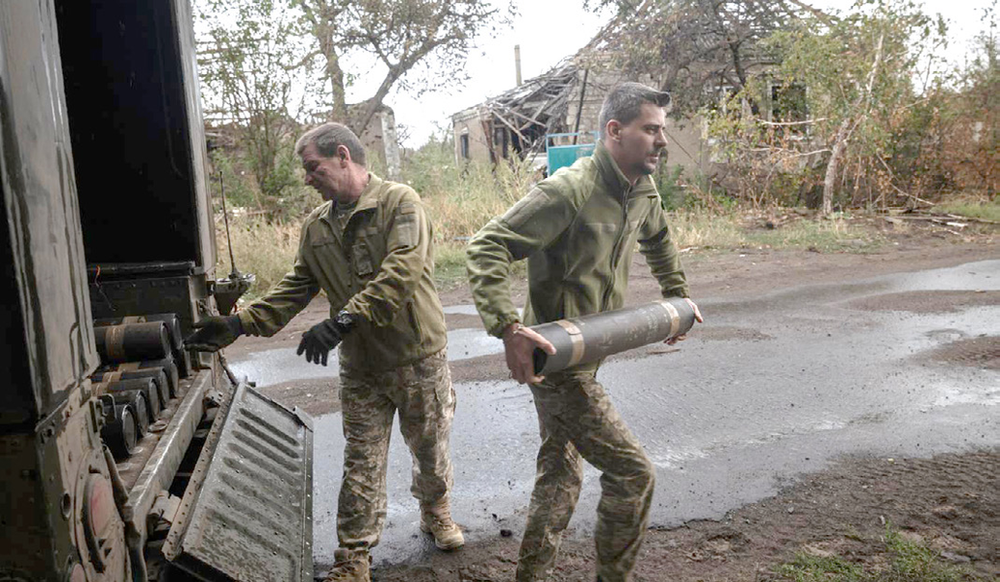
641 141
329 176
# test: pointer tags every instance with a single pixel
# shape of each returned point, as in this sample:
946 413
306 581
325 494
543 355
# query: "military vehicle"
125 457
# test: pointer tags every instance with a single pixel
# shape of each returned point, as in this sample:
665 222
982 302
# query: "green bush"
669 184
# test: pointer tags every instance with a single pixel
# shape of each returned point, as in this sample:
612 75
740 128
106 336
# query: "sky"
550 30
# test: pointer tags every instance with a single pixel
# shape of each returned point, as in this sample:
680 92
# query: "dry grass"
472 196
461 200
266 250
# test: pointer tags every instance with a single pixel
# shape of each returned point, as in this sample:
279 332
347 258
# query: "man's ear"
343 154
613 130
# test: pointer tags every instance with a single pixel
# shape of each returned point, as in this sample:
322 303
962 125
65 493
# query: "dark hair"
625 101
328 137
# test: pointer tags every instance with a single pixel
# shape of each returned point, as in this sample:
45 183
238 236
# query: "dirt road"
951 502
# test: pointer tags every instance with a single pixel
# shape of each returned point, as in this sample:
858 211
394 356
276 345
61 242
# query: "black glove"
214 333
324 336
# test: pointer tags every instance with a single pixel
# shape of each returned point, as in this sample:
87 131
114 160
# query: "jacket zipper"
615 250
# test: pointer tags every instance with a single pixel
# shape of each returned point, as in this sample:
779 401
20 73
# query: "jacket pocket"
321 240
362 261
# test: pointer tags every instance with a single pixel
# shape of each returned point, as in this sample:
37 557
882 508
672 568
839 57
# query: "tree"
697 48
859 71
974 145
400 35
247 59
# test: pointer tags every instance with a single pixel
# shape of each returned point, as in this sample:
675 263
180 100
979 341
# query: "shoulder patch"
407 229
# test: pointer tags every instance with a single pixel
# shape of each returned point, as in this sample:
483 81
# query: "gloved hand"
324 336
214 333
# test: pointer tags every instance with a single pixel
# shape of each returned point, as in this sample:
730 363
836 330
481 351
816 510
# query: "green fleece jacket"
381 267
578 229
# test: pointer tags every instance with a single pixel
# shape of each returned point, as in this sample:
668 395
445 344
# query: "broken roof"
532 108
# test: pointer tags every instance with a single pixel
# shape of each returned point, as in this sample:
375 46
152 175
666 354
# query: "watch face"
345 320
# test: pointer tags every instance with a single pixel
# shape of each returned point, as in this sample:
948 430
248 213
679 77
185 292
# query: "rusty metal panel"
45 506
250 516
158 469
53 348
168 292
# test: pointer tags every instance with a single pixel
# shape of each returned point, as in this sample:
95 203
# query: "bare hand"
697 317
519 344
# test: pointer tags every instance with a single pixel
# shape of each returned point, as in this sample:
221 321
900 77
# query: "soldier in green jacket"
578 229
369 248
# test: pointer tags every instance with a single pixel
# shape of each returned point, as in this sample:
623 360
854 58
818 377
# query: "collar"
367 200
369 196
615 179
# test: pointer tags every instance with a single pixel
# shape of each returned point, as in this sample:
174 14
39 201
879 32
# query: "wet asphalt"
787 383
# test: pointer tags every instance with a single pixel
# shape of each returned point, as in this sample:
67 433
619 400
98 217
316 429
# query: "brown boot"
435 519
350 566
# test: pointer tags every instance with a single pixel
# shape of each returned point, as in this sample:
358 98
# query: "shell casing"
589 338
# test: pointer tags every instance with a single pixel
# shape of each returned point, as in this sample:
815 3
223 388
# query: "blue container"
563 154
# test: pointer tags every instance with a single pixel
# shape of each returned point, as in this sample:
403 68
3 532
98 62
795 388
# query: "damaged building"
554 110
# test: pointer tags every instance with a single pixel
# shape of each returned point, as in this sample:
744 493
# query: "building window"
463 142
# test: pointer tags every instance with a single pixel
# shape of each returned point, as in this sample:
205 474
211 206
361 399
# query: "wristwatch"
345 320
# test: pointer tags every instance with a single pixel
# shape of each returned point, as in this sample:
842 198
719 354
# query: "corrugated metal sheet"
252 516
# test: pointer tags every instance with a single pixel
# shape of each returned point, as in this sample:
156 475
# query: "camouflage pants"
423 395
577 420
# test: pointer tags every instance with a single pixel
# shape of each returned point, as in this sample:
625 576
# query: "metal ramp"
247 514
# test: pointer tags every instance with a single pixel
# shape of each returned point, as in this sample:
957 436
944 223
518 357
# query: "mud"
950 501
979 352
928 301
730 333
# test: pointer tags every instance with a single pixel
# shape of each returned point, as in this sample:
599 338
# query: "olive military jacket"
578 229
380 267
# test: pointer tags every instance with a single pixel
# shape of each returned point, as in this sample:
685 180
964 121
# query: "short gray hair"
328 137
625 101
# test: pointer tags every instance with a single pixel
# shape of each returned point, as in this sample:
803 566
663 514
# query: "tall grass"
472 195
460 199
265 249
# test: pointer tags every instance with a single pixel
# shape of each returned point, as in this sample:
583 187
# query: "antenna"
234 274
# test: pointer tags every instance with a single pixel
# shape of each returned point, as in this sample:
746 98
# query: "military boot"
350 566
435 519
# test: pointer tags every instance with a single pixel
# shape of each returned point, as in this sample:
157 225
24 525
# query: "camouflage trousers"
578 422
425 399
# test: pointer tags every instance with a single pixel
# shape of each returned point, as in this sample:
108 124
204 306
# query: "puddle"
271 367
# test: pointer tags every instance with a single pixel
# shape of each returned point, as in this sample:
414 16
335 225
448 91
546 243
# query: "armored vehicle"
123 456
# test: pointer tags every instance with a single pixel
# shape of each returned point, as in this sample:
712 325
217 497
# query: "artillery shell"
120 431
590 338
139 402
158 375
132 342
